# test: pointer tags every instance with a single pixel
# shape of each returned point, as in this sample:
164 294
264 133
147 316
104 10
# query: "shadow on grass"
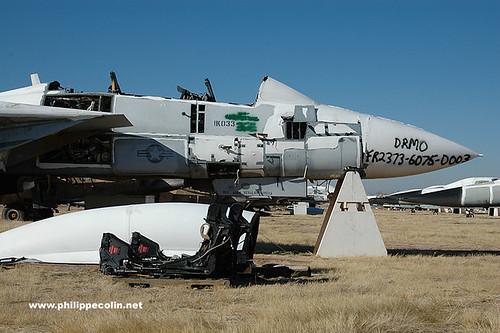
281 280
272 248
436 253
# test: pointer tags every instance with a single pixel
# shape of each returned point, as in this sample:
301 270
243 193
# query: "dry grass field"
443 275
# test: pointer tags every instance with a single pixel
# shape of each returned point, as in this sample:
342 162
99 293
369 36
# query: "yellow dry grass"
414 293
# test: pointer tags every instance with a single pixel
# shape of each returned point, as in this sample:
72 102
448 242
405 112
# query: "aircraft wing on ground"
26 131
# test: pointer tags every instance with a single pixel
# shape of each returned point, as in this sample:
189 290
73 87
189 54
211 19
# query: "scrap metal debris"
227 248
226 252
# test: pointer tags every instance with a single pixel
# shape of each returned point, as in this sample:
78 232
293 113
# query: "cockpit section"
207 97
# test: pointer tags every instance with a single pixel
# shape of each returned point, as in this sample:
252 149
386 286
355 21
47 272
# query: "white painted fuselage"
282 134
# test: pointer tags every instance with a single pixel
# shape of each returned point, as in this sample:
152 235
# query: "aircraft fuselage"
283 134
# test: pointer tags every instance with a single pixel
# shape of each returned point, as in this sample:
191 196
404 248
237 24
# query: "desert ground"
442 274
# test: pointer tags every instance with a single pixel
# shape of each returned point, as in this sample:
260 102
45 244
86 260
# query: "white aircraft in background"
481 192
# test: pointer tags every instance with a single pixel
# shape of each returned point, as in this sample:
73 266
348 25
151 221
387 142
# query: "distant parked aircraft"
470 192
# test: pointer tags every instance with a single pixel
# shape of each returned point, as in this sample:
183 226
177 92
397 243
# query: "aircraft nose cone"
394 149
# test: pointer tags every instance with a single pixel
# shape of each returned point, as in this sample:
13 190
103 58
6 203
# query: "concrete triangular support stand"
349 228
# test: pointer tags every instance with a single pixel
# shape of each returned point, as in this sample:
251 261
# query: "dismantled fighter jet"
470 192
263 150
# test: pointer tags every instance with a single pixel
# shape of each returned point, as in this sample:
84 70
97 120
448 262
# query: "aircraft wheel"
13 214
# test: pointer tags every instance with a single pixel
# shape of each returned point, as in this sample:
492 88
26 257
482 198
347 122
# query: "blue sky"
433 64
